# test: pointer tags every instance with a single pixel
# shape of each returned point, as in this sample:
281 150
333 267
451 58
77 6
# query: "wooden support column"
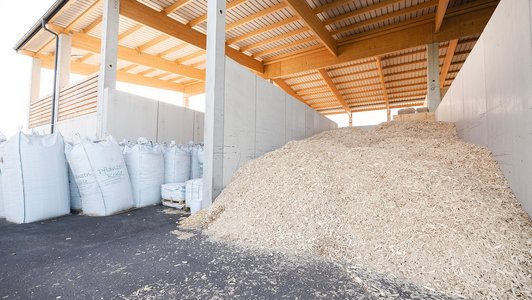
108 61
214 102
433 77
35 80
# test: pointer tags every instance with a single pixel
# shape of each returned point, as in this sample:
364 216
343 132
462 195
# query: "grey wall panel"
309 121
175 123
491 99
199 120
239 118
295 119
130 116
316 118
271 117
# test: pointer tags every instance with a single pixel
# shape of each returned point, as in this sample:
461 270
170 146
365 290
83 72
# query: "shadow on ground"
136 255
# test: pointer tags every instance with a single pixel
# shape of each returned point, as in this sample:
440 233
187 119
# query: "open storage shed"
290 63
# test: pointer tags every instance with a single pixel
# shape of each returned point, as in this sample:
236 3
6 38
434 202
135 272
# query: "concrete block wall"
85 126
131 116
259 117
490 101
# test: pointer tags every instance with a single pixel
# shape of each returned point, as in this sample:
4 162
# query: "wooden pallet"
179 204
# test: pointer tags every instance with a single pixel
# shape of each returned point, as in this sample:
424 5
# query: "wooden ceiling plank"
331 6
440 14
152 43
93 25
274 39
190 57
255 16
129 32
172 49
228 7
359 12
459 25
339 97
284 46
160 21
262 30
175 6
302 9
384 17
448 61
88 11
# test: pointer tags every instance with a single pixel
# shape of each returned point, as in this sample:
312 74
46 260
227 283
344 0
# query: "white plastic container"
101 176
194 194
173 191
35 178
145 165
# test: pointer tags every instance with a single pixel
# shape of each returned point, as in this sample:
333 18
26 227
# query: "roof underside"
273 34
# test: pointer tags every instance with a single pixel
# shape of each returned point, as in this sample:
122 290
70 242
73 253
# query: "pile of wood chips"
409 199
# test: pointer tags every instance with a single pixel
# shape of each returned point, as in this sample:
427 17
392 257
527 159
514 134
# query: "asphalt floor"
140 254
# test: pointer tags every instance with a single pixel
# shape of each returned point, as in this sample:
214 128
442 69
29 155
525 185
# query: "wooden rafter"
285 87
284 46
87 12
464 24
331 5
394 14
92 44
440 14
274 39
175 6
130 67
152 43
383 84
302 9
87 69
129 32
93 25
190 57
160 21
172 49
85 57
339 97
228 7
355 13
255 16
447 61
262 30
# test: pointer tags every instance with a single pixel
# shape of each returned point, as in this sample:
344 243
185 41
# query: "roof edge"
50 13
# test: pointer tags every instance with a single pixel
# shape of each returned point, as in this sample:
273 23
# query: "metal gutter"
50 13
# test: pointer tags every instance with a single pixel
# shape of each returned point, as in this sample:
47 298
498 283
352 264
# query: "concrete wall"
130 116
85 126
259 117
491 98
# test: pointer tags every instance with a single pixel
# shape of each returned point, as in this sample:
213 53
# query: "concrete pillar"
350 119
433 77
64 53
35 80
388 115
214 102
108 60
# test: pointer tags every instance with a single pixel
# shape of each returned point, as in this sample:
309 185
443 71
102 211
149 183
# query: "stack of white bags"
42 177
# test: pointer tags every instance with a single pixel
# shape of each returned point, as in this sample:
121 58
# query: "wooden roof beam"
440 14
129 32
262 30
93 25
284 46
152 42
92 44
228 7
274 39
285 87
383 84
309 17
160 21
87 12
255 16
175 6
334 90
447 61
459 25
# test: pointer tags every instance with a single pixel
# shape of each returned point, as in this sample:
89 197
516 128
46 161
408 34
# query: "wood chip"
408 199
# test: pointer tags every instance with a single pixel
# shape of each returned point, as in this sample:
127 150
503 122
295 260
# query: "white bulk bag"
35 178
176 163
101 176
75 196
173 191
194 194
2 143
197 162
145 165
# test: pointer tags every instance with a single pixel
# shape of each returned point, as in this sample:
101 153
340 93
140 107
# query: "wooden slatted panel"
74 101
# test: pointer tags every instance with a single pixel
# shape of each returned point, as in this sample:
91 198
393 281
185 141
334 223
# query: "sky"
15 74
